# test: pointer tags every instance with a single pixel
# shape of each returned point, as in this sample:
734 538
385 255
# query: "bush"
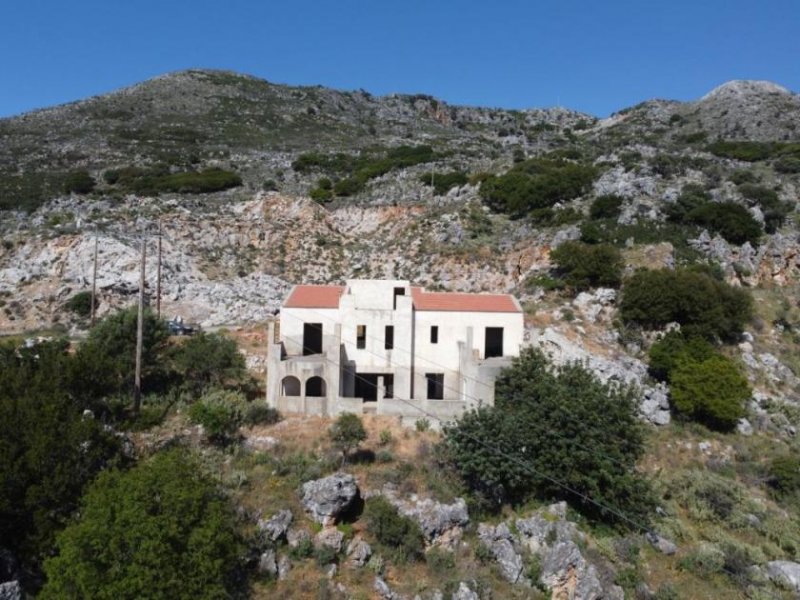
444 182
554 432
692 196
536 183
80 304
768 201
258 413
746 151
712 391
399 535
788 164
346 433
583 266
740 176
732 221
703 305
220 413
165 532
667 352
210 360
784 474
606 207
79 182
159 179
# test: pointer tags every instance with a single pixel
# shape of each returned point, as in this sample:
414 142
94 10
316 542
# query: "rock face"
327 498
440 523
358 552
785 573
10 590
330 537
564 569
276 527
464 593
267 564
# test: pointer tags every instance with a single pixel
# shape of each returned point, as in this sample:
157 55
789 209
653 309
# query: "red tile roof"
314 296
454 301
327 296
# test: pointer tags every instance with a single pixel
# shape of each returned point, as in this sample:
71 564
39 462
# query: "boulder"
464 593
358 552
330 537
295 536
661 544
501 543
267 564
284 566
10 590
276 526
785 573
328 498
440 523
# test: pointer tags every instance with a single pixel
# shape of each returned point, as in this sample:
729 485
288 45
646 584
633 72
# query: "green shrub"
583 266
712 391
740 176
422 425
732 221
606 207
208 360
703 305
788 164
444 182
554 432
440 561
536 183
673 348
784 474
399 535
692 196
158 179
80 304
771 206
746 151
346 433
325 555
270 185
258 413
79 182
220 412
165 532
303 549
385 437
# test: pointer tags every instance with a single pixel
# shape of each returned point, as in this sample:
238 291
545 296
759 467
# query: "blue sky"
597 56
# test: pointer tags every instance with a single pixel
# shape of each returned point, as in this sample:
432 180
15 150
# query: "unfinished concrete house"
388 347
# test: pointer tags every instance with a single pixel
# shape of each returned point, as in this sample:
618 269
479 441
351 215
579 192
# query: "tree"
397 533
606 207
80 304
347 433
554 432
160 530
107 358
703 305
220 412
49 450
210 360
673 348
79 182
583 266
712 391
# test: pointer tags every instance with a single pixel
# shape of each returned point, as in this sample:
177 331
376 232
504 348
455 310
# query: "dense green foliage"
667 352
80 304
770 204
357 170
159 179
536 183
347 432
712 391
79 182
554 432
160 530
209 360
788 164
220 412
606 207
732 221
399 535
583 266
444 182
753 151
107 358
48 450
27 191
784 474
702 304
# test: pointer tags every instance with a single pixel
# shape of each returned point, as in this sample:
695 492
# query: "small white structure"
387 347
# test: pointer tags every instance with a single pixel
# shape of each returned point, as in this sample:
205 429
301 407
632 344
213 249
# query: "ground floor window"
435 386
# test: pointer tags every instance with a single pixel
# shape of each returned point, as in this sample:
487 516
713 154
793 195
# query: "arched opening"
290 386
315 387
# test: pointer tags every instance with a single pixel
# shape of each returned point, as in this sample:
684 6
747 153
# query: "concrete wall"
293 319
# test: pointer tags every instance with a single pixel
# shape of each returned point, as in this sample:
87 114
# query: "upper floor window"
434 334
361 337
389 338
435 385
398 291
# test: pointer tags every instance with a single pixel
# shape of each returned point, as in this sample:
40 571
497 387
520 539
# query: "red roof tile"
453 301
314 296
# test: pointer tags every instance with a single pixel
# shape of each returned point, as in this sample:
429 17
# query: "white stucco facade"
385 346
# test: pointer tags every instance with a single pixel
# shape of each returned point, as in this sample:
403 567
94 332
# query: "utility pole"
137 381
158 274
94 279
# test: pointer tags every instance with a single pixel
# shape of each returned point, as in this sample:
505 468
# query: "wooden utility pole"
94 279
158 274
137 381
